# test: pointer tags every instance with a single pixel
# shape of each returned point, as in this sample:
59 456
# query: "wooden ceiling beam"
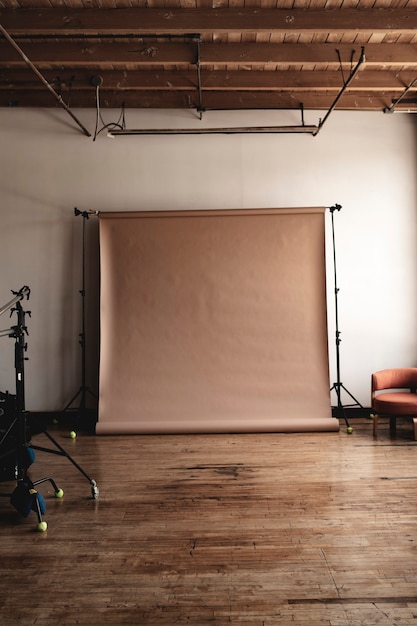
211 100
369 81
136 54
65 21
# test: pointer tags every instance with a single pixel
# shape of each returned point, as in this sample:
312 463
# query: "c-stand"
338 386
25 498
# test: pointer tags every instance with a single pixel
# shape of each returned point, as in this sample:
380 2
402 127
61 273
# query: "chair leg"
375 425
393 426
415 427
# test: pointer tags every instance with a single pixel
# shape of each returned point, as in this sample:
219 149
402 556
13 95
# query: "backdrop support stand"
83 390
338 386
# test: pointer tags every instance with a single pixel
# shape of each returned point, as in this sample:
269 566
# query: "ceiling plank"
368 81
67 21
136 54
229 54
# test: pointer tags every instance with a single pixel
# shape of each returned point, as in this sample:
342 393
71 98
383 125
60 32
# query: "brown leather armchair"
394 395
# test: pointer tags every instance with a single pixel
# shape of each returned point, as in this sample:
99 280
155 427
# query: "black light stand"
339 386
25 497
83 389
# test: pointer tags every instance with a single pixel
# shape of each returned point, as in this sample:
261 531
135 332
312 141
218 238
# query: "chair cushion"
396 403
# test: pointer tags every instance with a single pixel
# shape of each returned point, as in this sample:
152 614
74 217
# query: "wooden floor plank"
254 529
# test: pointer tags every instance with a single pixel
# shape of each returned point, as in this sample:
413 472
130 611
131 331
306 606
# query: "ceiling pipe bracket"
345 86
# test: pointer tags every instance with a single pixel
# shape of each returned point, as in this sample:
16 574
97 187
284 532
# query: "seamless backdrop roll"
213 321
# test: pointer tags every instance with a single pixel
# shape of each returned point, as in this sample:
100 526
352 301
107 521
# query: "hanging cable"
120 124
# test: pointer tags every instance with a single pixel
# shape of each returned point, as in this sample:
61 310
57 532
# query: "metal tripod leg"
60 451
340 406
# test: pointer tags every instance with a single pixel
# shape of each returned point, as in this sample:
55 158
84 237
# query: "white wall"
365 162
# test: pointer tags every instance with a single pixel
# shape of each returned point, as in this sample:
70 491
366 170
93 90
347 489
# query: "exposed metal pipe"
345 86
310 130
198 64
42 79
228 130
391 109
302 129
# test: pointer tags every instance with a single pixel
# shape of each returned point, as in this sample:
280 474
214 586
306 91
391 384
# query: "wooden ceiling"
223 54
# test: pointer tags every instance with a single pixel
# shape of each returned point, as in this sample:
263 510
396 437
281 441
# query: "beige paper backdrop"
213 321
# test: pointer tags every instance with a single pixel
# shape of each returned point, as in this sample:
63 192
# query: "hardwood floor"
256 530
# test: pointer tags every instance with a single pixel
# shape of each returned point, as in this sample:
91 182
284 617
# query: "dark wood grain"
316 528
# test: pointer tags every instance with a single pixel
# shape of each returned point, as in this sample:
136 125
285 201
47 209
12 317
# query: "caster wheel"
42 526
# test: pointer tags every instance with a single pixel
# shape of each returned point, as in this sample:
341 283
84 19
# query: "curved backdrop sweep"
213 322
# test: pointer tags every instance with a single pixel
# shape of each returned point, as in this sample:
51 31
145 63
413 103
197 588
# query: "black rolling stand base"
25 497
